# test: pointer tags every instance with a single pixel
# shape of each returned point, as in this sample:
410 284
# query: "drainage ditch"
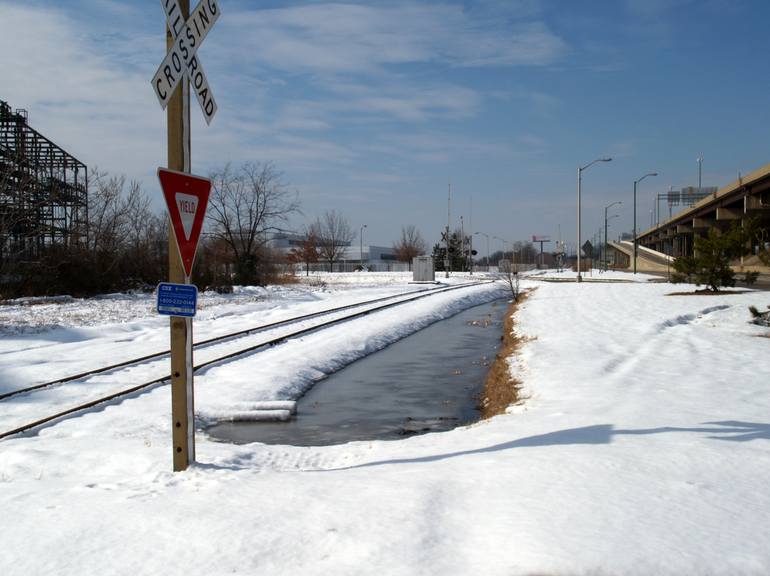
427 382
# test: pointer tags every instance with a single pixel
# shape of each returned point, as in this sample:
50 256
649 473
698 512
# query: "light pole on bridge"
635 232
604 247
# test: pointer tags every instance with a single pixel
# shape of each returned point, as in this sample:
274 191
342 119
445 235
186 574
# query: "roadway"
652 262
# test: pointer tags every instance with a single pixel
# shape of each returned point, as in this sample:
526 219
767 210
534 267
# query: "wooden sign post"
171 83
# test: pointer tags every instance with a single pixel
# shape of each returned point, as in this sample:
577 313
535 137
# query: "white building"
374 258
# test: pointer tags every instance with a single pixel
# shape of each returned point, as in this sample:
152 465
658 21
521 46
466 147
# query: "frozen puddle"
426 382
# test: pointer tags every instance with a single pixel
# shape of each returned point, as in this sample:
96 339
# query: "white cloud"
286 80
77 93
438 147
343 38
401 99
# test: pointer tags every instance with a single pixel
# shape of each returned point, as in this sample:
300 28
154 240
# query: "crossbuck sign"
181 60
180 70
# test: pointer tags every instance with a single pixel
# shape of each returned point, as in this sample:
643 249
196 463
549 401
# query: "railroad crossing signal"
181 60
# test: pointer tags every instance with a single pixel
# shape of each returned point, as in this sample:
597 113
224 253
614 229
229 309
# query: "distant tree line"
327 239
124 247
461 254
126 244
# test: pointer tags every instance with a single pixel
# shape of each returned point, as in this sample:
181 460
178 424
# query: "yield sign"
187 198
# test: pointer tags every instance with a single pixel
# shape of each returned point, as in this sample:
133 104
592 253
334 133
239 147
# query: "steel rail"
266 344
202 343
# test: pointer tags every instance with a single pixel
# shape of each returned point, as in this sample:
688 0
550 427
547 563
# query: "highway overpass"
746 198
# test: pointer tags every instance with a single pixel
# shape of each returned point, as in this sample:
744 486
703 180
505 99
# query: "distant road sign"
541 238
177 299
187 198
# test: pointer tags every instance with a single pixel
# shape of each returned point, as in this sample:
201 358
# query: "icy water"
427 382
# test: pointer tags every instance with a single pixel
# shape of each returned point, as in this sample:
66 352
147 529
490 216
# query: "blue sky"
370 108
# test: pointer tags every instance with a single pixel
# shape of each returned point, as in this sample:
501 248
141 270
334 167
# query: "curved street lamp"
580 179
635 233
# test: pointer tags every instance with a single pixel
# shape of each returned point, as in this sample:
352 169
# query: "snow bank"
642 448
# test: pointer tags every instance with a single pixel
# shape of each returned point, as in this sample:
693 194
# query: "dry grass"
287 278
500 389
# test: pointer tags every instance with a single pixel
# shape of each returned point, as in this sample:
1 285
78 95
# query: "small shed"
423 271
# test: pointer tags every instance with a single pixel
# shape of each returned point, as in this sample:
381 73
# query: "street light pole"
447 258
580 180
361 248
635 233
606 226
699 160
604 248
487 237
504 243
462 243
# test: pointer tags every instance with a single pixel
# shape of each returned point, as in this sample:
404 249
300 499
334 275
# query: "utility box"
422 269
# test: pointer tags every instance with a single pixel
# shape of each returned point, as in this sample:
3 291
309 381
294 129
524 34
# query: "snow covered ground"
642 445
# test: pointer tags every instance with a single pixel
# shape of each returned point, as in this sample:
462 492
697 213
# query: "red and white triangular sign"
187 198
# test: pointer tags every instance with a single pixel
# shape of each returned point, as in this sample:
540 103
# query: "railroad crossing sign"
187 198
181 60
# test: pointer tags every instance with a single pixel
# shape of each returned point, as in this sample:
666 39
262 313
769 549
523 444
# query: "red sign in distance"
187 198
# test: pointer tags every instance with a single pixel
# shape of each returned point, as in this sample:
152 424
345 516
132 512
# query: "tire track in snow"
656 339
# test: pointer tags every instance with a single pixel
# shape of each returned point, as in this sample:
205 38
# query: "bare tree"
126 239
511 278
106 210
145 245
334 235
410 245
306 253
245 205
109 217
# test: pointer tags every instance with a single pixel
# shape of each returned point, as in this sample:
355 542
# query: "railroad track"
202 344
374 305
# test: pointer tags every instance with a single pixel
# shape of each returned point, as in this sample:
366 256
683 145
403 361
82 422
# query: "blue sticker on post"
177 299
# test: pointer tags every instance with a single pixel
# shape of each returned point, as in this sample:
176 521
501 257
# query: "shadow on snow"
728 430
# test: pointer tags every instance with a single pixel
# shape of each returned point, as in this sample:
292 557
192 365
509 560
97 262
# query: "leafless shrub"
247 204
334 235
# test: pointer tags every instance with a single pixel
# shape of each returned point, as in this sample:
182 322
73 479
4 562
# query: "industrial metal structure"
43 191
